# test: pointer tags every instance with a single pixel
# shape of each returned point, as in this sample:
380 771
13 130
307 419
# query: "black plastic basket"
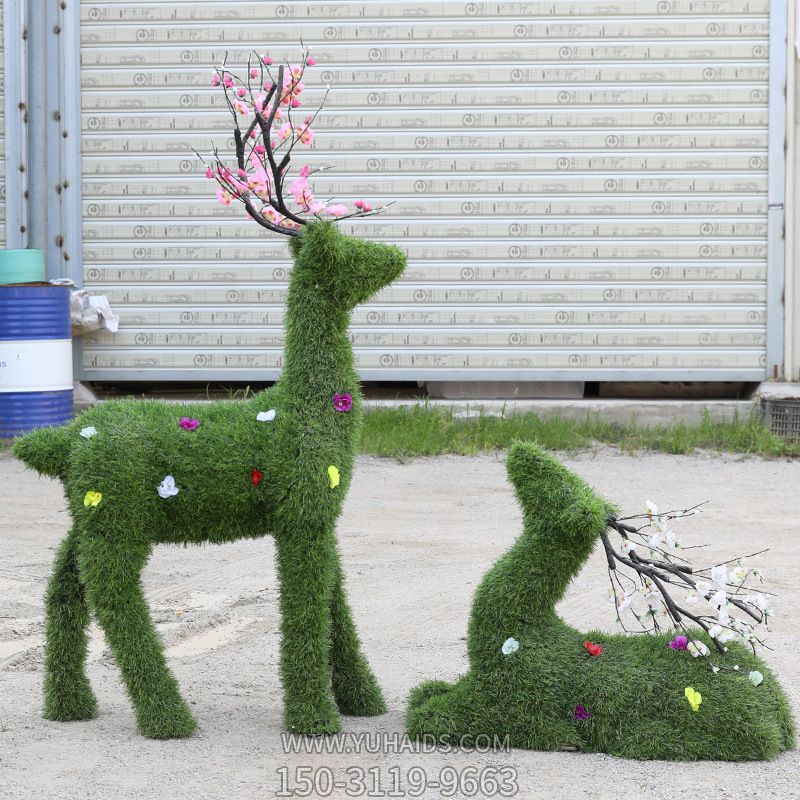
783 417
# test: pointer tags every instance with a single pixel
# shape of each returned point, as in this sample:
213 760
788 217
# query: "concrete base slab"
504 390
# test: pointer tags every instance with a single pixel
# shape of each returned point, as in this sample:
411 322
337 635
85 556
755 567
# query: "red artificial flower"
594 649
256 476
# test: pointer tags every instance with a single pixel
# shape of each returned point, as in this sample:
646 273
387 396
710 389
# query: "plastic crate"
783 417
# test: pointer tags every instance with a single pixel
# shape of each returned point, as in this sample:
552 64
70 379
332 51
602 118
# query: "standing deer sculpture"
141 473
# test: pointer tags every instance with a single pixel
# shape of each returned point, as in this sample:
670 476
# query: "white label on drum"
36 365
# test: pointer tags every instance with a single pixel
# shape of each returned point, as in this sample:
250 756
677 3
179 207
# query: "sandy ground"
416 539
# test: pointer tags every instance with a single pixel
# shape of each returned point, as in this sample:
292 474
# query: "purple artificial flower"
679 643
581 713
189 424
342 402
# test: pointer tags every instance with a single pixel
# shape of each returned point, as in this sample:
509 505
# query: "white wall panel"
581 187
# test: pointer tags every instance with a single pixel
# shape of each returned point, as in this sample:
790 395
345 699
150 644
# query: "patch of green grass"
424 430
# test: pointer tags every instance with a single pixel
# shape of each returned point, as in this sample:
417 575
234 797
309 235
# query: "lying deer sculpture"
277 463
546 692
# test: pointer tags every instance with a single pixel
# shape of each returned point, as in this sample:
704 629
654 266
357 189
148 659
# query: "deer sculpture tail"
45 450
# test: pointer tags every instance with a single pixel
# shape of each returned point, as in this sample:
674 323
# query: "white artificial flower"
697 648
87 433
266 416
738 573
628 547
722 615
650 508
703 588
714 631
719 575
719 599
756 678
727 635
761 601
510 645
167 487
655 540
624 603
671 540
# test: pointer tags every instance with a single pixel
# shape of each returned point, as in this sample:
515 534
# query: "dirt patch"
416 538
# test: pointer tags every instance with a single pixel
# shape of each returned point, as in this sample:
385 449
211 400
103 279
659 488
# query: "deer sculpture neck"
318 356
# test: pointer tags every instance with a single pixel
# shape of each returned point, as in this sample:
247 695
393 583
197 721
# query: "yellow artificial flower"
92 499
333 476
694 698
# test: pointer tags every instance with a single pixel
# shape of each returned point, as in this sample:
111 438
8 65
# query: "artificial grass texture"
424 430
139 443
634 691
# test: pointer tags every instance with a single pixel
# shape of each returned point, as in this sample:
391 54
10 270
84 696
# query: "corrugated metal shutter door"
581 188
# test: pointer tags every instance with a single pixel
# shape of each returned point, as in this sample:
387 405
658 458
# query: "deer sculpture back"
546 692
278 463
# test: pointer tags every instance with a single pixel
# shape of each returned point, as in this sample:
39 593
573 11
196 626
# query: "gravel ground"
416 538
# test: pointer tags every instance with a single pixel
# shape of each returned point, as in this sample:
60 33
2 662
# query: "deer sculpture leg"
111 562
305 559
354 685
67 693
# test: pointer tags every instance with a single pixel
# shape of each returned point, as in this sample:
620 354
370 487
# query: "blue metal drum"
35 357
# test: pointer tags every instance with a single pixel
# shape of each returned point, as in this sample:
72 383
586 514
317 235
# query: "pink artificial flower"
295 103
240 107
241 92
358 203
260 149
261 102
296 70
228 81
306 135
215 79
189 424
209 172
266 60
366 207
305 171
316 206
336 210
342 402
224 196
679 643
285 131
253 73
311 62
580 713
241 173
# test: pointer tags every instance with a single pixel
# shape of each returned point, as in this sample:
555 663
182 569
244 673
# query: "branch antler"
261 170
657 577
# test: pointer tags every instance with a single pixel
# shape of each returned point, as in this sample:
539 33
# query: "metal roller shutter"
582 189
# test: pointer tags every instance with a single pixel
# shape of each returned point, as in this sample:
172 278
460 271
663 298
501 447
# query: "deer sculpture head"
340 269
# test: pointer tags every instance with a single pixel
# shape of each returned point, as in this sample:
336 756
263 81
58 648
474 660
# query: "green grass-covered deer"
141 473
546 685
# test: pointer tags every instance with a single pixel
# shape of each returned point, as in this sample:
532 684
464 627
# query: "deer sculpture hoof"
546 692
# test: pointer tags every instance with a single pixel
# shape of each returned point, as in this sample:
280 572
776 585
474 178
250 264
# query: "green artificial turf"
425 430
238 477
634 692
